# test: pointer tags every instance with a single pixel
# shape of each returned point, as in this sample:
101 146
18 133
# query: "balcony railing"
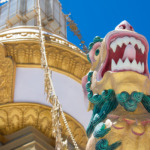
23 12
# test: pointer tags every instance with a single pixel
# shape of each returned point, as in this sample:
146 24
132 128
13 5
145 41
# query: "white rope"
49 88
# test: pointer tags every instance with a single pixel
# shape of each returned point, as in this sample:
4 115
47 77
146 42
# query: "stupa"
25 115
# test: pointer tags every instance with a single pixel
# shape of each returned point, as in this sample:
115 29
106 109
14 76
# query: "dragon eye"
97 52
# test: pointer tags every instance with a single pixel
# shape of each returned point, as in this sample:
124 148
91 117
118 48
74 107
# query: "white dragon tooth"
127 64
119 42
119 65
134 65
139 67
143 67
126 40
139 44
113 65
139 64
143 48
113 46
133 41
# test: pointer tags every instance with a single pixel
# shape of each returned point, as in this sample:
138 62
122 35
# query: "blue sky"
98 17
3 2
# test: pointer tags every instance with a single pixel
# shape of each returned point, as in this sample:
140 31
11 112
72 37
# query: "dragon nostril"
131 28
122 26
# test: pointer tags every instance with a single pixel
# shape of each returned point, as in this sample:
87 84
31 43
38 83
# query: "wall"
29 87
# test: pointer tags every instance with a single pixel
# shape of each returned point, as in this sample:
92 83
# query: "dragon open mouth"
126 51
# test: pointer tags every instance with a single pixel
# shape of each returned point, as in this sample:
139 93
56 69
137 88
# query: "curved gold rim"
15 116
22 44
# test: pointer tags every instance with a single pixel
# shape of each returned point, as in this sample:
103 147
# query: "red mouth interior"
118 54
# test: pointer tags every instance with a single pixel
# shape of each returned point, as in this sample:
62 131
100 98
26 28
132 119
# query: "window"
4 14
42 5
56 10
13 8
30 5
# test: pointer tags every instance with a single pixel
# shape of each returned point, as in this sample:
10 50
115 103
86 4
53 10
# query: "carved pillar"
7 77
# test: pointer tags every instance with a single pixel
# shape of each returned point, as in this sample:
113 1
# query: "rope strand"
50 91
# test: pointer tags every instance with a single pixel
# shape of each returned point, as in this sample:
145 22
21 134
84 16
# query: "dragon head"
119 62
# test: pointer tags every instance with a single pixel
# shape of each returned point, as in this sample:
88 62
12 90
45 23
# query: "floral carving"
7 74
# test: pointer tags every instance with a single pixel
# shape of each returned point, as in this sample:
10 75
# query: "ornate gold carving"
30 34
22 43
16 116
59 59
7 77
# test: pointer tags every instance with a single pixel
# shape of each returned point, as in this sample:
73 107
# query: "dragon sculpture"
118 88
